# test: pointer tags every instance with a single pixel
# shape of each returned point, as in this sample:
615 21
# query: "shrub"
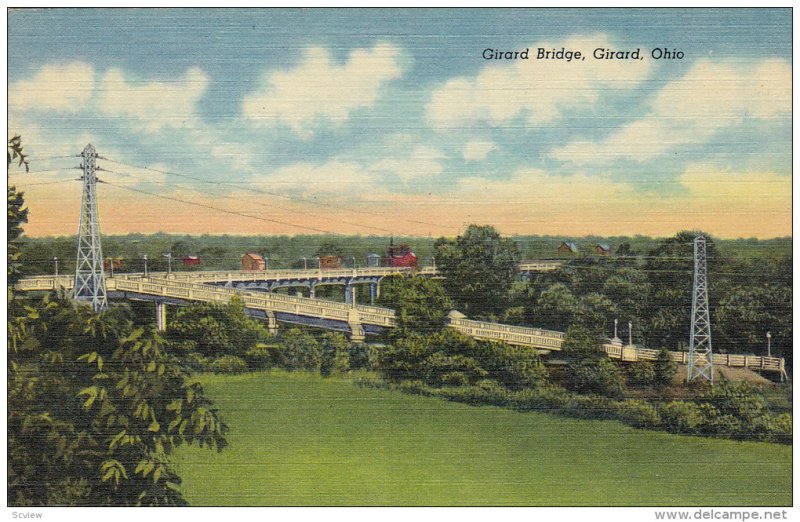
641 374
739 399
334 354
665 368
195 362
638 413
359 356
682 417
261 356
597 377
298 350
228 364
438 369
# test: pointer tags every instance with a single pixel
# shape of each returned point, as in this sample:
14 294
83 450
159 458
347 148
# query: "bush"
195 362
682 417
298 350
261 356
359 356
334 354
665 368
597 377
439 369
228 364
739 399
641 374
638 413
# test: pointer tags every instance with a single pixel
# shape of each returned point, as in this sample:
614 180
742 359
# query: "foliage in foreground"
95 408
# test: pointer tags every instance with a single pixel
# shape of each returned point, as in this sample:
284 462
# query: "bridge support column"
374 293
161 316
350 294
272 323
357 334
312 291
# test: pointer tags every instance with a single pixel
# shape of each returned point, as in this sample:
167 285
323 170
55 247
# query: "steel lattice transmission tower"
90 284
700 354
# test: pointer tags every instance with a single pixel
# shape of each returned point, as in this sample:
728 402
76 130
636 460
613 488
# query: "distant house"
602 249
252 261
191 261
568 247
373 260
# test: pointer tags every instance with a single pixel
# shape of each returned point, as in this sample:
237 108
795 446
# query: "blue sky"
353 119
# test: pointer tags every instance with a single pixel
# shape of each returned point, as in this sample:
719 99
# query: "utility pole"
90 285
701 358
145 265
55 260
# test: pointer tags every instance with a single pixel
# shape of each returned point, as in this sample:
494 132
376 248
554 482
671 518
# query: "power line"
211 207
276 194
256 202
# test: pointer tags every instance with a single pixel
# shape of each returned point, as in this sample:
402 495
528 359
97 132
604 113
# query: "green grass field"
299 439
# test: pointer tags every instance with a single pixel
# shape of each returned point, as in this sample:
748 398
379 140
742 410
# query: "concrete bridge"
357 321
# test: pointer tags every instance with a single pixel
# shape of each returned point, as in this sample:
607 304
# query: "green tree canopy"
421 303
479 267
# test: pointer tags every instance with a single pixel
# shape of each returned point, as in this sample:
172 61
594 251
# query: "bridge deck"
537 338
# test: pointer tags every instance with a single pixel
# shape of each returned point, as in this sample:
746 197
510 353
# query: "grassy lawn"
299 439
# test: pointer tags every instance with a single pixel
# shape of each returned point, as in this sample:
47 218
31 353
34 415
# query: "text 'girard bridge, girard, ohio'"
91 285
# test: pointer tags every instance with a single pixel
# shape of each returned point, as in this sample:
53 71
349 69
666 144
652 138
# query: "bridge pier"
374 293
357 334
161 316
350 294
312 290
272 322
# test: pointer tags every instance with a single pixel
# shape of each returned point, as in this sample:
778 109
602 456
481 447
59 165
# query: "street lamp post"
305 264
111 265
630 333
769 347
168 255
145 264
55 260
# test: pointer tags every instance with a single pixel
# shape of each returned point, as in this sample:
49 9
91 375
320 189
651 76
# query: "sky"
380 122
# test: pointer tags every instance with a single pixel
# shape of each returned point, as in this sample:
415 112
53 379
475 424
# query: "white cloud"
64 88
540 90
153 105
318 89
333 177
478 150
422 162
691 110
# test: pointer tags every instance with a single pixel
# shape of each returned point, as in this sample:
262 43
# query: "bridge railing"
258 300
517 335
539 266
277 275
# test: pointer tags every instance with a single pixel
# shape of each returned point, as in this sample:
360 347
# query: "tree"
329 248
555 308
214 330
17 214
334 353
420 303
479 268
95 408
